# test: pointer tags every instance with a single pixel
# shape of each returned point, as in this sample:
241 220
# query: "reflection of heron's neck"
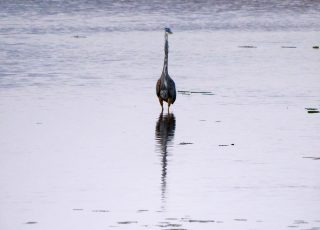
166 51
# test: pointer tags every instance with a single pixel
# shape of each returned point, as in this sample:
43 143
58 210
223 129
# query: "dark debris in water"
169 225
188 92
315 47
201 221
142 210
100 210
79 36
184 92
203 92
77 209
185 143
240 219
247 46
289 47
313 158
127 222
312 110
174 229
300 222
31 222
224 145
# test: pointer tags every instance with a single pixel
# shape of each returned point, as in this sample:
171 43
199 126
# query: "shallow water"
83 144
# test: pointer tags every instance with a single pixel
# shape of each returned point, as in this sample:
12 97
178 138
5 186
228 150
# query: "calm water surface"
83 144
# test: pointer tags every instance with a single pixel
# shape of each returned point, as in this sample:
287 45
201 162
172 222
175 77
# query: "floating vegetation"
247 47
31 222
314 158
184 92
223 145
300 222
127 222
203 92
187 92
100 210
77 209
185 143
142 210
288 47
201 221
175 229
79 36
240 219
312 110
166 225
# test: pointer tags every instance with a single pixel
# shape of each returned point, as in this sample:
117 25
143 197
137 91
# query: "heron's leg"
161 103
169 103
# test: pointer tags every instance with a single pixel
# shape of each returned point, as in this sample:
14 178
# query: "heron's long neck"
166 51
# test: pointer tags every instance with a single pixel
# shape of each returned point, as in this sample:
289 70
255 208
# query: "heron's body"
166 88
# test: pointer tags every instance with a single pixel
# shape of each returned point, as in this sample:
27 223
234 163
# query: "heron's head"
167 30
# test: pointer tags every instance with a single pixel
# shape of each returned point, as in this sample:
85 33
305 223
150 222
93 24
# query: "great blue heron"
166 88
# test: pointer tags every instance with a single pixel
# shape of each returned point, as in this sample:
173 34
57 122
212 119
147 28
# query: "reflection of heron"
165 129
166 88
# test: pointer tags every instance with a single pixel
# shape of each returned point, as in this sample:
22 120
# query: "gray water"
83 144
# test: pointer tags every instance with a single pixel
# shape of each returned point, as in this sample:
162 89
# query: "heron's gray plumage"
166 88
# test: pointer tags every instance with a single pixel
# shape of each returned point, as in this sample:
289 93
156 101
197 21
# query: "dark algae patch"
142 210
312 110
201 221
100 210
300 222
313 158
240 219
188 92
127 222
247 46
169 225
185 143
31 222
